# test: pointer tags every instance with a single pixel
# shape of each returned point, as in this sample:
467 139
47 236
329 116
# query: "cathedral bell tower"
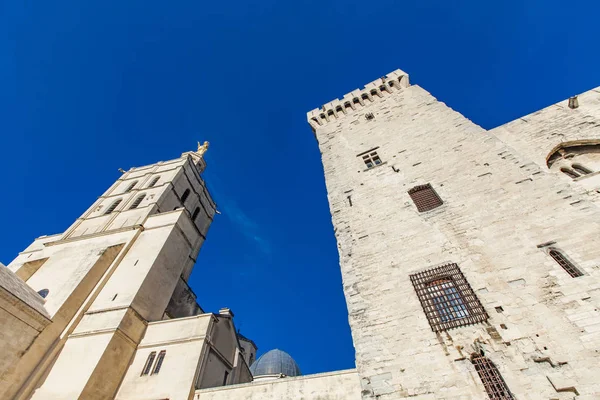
113 271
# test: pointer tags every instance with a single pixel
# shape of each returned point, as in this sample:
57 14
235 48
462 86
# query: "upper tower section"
358 99
148 190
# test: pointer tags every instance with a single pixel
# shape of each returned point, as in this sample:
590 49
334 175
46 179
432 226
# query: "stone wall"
340 385
543 331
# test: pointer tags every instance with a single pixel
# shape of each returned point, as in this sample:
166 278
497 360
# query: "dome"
275 362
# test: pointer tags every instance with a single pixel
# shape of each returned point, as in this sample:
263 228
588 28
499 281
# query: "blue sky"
90 87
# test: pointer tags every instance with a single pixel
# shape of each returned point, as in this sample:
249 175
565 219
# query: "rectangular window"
225 376
148 365
159 362
371 159
564 262
425 198
447 298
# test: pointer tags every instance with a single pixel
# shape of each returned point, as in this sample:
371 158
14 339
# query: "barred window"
148 365
371 159
425 197
137 201
564 262
447 298
185 195
112 206
159 362
492 381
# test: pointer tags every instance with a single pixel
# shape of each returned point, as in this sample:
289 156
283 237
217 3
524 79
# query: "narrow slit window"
425 197
137 201
492 381
371 159
148 365
154 181
185 196
130 188
159 362
581 169
447 298
225 376
195 214
569 172
112 206
565 263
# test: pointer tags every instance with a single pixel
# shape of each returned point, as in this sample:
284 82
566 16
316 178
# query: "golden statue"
202 148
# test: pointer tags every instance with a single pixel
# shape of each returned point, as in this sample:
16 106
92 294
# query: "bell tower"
113 271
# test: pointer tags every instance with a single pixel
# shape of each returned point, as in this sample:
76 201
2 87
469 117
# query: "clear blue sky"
89 87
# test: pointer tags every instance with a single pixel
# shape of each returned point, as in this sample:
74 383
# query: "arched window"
113 206
43 293
569 172
130 188
159 362
492 381
137 201
148 365
581 169
195 214
154 181
564 262
185 196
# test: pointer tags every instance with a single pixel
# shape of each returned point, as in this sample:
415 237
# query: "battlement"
358 98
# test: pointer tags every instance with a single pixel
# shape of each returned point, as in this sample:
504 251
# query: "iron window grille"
447 298
154 181
137 201
371 159
130 188
425 197
565 263
492 381
148 365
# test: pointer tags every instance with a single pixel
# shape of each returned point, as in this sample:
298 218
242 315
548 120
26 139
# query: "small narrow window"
330 113
492 381
447 298
112 206
348 105
148 365
369 116
137 201
323 116
365 96
130 188
375 93
569 172
383 88
154 181
339 109
425 198
356 100
44 293
225 376
185 196
159 362
564 262
581 169
195 214
371 159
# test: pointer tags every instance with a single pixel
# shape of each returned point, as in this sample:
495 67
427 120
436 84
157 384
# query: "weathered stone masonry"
503 208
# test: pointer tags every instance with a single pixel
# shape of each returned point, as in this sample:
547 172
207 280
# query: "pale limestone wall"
339 385
498 206
536 135
184 341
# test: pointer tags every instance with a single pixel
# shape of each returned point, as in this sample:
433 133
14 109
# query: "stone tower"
114 283
470 264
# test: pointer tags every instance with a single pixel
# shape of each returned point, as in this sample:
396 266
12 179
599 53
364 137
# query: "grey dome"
275 362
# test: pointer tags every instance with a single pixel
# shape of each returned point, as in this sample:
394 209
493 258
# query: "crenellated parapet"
357 99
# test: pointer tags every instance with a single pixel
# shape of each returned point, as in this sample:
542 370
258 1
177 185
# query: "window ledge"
582 177
376 166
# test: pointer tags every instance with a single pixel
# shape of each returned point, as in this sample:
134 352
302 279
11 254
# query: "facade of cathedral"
470 262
